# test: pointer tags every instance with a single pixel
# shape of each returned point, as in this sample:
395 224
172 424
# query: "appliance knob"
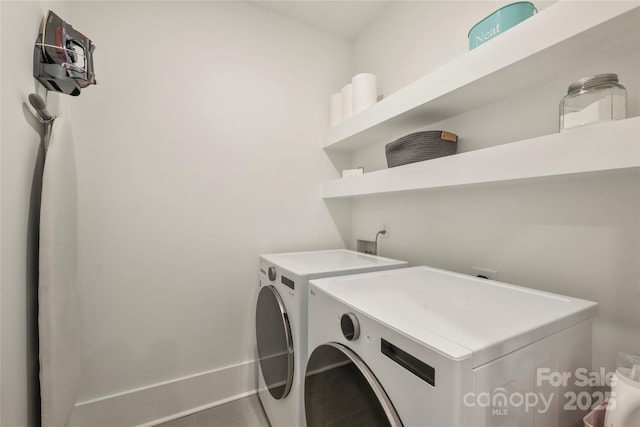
272 273
350 326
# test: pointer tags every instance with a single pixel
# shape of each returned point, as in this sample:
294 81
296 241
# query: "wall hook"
40 106
44 116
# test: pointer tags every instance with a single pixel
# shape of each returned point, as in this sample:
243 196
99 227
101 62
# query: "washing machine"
427 347
281 322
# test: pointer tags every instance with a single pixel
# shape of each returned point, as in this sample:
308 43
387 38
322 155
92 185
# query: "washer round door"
274 342
339 389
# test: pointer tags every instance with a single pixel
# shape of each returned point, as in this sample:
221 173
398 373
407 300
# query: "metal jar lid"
589 82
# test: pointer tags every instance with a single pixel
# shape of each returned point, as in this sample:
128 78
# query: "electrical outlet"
384 225
485 272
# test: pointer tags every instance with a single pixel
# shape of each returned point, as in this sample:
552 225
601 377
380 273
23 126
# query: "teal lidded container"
500 21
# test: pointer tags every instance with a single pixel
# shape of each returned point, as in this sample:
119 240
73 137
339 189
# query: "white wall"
411 38
575 237
198 150
21 169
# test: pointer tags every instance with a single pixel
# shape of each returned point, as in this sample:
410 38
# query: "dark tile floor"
246 412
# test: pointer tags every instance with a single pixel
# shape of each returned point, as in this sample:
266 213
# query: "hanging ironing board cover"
58 317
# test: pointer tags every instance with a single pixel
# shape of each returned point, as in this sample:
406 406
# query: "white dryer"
281 322
427 347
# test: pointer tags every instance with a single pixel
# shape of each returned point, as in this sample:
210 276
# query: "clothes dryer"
427 347
281 322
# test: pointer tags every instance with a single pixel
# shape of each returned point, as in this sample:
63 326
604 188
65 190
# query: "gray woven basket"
420 146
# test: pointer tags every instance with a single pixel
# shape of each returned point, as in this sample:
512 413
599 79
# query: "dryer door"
274 342
339 386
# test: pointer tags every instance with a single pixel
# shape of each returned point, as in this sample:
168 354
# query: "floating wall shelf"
566 36
611 146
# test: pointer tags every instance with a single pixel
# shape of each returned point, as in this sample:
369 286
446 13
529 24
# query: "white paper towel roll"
347 101
336 108
365 91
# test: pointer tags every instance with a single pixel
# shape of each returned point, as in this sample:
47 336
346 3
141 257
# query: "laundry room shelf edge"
551 42
612 147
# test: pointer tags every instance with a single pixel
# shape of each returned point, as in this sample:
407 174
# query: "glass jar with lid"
593 99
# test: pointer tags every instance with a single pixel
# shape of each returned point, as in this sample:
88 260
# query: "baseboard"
168 400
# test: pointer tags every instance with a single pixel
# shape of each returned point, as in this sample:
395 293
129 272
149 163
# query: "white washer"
428 347
281 322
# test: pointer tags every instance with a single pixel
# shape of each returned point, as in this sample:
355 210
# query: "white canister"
365 91
347 97
336 108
